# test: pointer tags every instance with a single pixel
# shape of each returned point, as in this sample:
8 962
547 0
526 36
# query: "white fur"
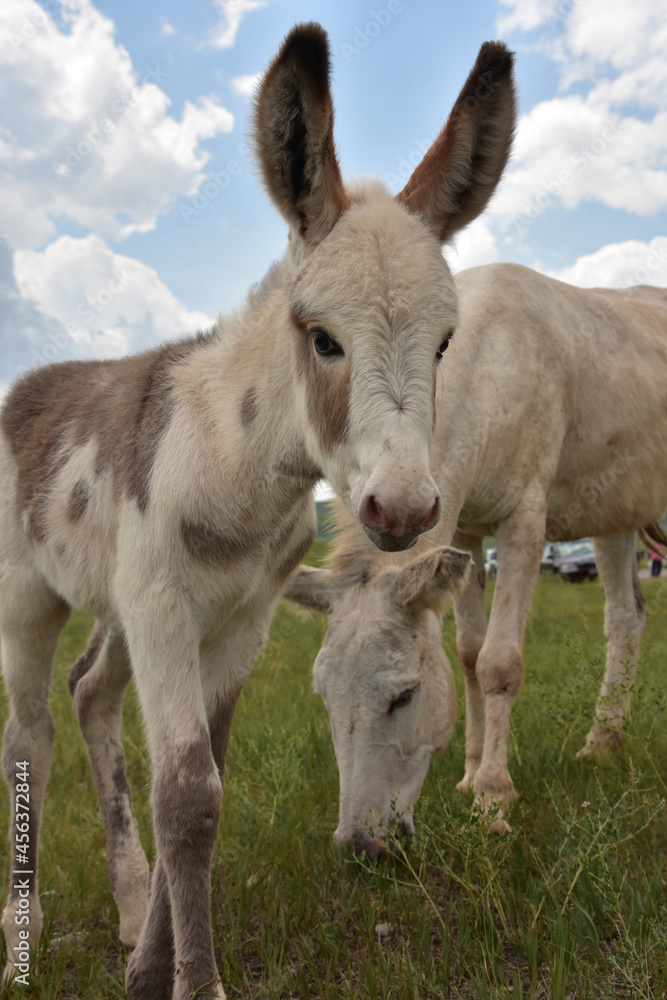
551 420
370 270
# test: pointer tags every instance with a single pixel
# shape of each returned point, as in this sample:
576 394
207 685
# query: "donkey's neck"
244 385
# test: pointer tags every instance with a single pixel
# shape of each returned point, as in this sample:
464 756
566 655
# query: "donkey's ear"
311 588
427 580
461 170
293 131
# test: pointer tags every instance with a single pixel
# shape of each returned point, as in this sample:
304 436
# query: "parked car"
548 557
491 563
575 560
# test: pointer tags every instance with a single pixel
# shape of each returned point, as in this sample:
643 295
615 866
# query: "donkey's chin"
388 542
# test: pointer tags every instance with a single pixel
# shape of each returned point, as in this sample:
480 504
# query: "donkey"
551 421
170 494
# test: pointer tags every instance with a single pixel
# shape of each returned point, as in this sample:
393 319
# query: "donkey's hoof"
466 784
8 974
499 826
600 742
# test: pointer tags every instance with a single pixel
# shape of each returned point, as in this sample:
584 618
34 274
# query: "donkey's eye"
443 346
325 345
404 698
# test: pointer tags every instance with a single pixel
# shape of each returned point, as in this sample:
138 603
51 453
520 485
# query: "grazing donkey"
551 420
170 494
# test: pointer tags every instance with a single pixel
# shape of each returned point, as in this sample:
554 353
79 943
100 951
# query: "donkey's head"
372 302
384 677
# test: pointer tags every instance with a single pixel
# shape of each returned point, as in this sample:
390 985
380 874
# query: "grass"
571 904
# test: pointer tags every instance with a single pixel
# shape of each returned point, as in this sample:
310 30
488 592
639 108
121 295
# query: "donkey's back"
575 375
79 442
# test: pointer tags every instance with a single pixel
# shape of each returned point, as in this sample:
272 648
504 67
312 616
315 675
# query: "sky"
131 211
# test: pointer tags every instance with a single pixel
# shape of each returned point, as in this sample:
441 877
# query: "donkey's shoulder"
122 406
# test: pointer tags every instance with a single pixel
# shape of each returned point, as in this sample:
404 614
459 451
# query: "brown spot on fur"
249 408
150 970
327 387
481 578
124 406
640 604
88 657
501 676
294 518
187 795
78 501
208 546
297 467
469 664
220 724
118 816
295 557
118 804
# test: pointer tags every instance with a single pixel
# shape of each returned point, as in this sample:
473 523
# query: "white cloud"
569 151
168 29
615 31
524 14
98 145
247 85
619 265
232 13
106 304
474 246
592 145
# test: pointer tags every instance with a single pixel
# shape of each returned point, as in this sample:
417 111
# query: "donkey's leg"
520 541
187 794
470 615
626 615
32 617
154 976
98 682
151 969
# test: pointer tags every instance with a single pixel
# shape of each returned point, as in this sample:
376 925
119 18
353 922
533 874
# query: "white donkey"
169 494
551 421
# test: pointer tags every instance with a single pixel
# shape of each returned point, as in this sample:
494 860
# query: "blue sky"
130 211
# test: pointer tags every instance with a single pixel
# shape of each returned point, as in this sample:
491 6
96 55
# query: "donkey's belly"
615 490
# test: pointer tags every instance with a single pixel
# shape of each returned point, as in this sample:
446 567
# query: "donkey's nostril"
433 516
374 514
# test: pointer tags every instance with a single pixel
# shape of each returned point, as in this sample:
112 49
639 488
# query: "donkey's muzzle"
392 532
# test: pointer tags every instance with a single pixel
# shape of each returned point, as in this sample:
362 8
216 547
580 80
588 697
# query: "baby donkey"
170 494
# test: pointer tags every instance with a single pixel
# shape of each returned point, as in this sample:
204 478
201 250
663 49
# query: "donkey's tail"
653 532
88 657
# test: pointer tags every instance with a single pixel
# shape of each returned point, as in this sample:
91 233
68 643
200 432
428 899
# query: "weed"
570 904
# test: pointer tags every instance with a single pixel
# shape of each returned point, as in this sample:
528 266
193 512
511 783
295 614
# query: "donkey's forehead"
380 258
366 640
366 610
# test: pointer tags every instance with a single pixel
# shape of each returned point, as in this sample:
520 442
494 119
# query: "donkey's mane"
232 326
354 557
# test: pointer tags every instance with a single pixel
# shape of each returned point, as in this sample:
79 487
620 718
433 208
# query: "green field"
571 904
